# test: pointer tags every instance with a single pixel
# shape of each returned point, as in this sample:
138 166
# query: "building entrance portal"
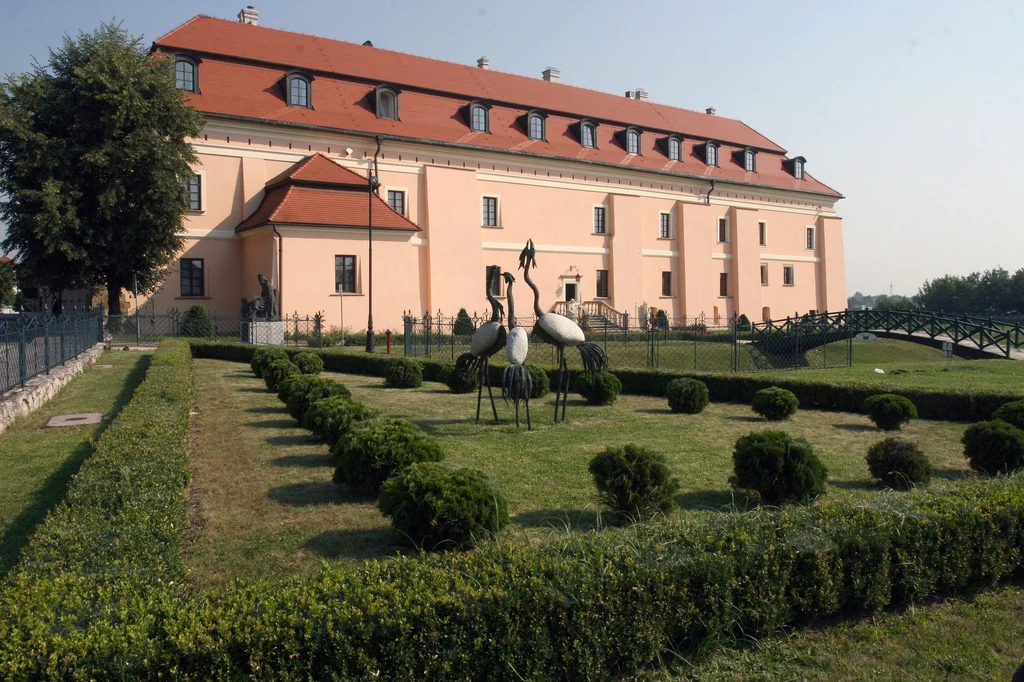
570 291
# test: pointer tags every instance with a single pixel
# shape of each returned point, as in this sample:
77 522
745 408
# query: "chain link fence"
692 344
32 344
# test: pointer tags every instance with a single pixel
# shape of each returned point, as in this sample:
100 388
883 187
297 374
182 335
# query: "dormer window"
535 125
796 166
186 73
748 161
675 148
588 134
298 90
711 153
479 117
632 141
386 102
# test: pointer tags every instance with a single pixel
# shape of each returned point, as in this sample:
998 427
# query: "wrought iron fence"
31 344
693 344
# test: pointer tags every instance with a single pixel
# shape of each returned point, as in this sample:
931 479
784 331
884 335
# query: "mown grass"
38 463
968 640
267 505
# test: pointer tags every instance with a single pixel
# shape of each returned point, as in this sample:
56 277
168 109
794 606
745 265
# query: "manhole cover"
75 419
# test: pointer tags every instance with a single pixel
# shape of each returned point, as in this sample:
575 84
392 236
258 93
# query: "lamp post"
371 346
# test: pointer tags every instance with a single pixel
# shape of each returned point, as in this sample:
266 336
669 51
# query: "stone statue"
262 307
644 315
572 310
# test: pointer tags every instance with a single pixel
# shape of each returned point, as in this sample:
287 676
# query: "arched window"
536 127
632 141
588 135
386 102
478 118
798 169
185 74
748 161
298 91
675 148
711 153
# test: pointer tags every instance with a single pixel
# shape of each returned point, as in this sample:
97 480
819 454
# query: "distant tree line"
992 292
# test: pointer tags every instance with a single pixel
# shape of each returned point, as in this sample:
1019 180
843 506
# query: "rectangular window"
666 226
345 274
192 277
602 284
810 239
762 233
396 200
723 284
599 225
723 230
490 211
666 283
194 190
764 274
787 275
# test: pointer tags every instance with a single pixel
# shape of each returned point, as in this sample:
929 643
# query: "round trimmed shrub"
308 363
994 447
404 373
439 508
888 411
276 372
777 467
541 381
331 418
263 356
305 389
1011 413
634 483
775 404
197 323
602 388
372 452
689 396
898 463
457 383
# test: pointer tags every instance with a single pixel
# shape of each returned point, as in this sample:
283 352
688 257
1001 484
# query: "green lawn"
38 463
266 505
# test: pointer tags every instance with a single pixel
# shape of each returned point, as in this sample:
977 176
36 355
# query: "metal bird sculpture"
561 332
488 340
516 382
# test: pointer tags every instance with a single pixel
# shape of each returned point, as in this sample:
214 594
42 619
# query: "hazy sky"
913 110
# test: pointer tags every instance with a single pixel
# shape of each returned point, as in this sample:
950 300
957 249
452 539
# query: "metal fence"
32 344
693 344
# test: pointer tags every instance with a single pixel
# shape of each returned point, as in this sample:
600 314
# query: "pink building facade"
628 201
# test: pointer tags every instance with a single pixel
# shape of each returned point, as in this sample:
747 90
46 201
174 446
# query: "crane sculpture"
516 382
561 332
488 340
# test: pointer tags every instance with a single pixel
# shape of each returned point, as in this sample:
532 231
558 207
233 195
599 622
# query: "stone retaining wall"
41 388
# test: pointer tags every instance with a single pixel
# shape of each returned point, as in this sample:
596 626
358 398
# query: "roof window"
711 153
186 73
298 89
386 102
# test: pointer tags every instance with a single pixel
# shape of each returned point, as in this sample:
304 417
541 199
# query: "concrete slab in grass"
75 419
103 367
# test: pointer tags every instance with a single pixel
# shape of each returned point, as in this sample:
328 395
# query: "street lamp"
374 183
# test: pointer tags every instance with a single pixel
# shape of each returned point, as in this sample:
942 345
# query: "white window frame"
798 169
667 214
762 224
764 274
718 229
571 279
604 208
405 199
201 174
792 275
809 231
497 211
675 144
593 135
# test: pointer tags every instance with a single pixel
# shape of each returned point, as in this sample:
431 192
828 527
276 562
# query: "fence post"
625 329
849 341
735 344
46 346
63 353
22 370
452 336
407 320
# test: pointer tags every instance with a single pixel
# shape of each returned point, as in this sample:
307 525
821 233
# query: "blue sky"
912 109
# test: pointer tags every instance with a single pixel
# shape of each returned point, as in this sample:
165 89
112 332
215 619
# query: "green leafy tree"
7 283
93 154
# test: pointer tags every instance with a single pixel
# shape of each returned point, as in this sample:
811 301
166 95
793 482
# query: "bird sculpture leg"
517 414
487 378
480 388
529 424
558 389
565 389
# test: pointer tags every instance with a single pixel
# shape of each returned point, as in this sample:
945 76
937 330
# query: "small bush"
1011 413
455 382
276 372
689 396
303 390
308 363
889 412
541 381
775 404
994 447
898 463
404 373
777 467
371 453
440 508
602 388
463 324
331 418
633 482
197 323
263 356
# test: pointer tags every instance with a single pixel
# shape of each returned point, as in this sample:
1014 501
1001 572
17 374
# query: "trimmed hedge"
375 450
890 412
1011 413
404 373
302 390
276 372
308 363
687 396
994 447
839 396
775 404
263 356
602 388
898 463
778 467
332 418
633 482
457 383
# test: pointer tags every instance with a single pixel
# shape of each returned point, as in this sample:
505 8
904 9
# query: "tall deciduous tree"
7 282
93 153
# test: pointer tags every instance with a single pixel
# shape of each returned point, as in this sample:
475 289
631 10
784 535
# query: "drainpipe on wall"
707 199
280 271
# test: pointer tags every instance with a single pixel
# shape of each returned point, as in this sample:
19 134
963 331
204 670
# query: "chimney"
630 94
551 74
249 15
483 63
710 111
368 43
641 93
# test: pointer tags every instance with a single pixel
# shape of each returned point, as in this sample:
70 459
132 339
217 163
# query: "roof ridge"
181 26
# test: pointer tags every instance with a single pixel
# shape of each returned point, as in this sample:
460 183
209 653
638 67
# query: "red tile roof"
306 194
434 92
5 259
